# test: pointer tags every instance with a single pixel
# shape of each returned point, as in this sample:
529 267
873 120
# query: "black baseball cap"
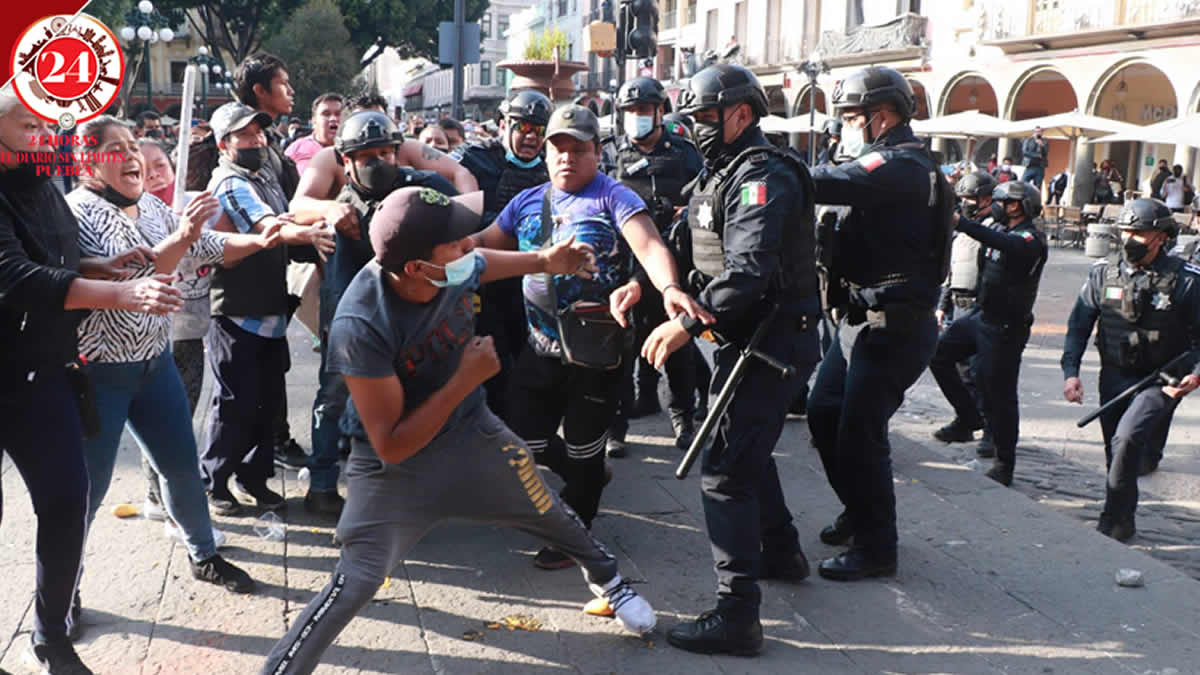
575 121
413 220
233 116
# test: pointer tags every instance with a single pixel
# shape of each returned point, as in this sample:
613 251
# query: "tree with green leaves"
315 45
240 27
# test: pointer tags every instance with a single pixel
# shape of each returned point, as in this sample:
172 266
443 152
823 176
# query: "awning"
966 124
773 124
1070 125
413 89
1179 131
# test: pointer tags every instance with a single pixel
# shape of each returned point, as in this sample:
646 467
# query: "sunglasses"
530 128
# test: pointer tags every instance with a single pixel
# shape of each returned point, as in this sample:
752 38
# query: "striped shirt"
245 209
119 336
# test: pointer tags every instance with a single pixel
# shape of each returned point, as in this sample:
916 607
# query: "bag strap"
546 232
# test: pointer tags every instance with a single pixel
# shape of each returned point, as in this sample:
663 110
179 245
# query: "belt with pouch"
897 318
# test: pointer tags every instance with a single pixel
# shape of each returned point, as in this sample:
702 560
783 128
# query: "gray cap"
233 116
575 120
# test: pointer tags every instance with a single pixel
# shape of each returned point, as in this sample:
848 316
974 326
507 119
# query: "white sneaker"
632 611
153 511
171 530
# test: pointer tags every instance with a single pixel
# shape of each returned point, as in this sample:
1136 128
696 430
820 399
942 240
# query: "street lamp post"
151 27
206 63
813 67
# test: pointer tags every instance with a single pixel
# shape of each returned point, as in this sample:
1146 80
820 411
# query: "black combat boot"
715 632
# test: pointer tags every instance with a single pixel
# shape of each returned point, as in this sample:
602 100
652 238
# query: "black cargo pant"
744 507
248 382
996 351
546 393
1132 429
43 437
860 385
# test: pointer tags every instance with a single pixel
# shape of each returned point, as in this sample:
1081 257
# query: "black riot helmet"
874 86
528 105
366 129
975 184
641 90
723 85
1146 215
1018 190
833 127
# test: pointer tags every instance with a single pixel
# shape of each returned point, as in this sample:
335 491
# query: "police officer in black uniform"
504 167
751 222
1148 306
996 329
366 145
831 137
891 254
959 293
655 164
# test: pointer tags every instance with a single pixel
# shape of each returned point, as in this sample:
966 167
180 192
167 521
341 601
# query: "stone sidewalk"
990 580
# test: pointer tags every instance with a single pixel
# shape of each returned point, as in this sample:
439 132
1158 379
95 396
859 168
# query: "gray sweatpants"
479 471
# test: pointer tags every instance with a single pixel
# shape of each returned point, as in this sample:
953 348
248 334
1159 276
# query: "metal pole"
622 25
146 61
459 57
203 96
812 116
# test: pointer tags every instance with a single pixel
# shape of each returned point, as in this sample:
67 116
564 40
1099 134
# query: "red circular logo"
67 68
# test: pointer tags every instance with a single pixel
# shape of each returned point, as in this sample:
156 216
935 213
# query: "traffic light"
643 28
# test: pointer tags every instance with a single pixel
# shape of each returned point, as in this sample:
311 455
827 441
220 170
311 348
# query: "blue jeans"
1034 175
149 397
328 407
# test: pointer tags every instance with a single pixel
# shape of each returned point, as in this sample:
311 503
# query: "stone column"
1081 176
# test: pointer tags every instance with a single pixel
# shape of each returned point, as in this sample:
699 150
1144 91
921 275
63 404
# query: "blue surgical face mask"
638 126
458 272
523 163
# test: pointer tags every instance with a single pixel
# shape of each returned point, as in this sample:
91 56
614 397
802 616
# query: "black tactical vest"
510 180
658 178
1139 327
257 286
706 222
1006 294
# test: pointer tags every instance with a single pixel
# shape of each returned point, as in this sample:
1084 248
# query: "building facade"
1129 60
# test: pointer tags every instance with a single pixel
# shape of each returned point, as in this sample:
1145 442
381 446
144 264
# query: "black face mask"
1136 251
26 176
710 138
251 159
110 194
377 177
997 212
154 133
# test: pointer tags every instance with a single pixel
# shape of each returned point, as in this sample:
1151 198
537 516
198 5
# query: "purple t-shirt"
593 215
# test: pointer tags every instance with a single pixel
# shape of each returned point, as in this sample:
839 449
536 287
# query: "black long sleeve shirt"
39 258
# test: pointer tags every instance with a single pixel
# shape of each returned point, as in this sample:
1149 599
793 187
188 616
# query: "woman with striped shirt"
129 358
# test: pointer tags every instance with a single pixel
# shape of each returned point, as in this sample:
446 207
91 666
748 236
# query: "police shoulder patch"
1027 236
753 193
872 161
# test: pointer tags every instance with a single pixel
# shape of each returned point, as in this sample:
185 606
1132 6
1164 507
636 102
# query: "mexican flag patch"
754 193
1114 293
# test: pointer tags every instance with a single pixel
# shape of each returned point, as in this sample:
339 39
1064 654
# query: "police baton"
1159 375
750 352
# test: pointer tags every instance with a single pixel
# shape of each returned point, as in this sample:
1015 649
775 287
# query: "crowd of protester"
117 303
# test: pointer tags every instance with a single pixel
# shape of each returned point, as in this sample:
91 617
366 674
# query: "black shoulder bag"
589 335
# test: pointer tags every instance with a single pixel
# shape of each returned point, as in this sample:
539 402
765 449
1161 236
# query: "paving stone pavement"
991 580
